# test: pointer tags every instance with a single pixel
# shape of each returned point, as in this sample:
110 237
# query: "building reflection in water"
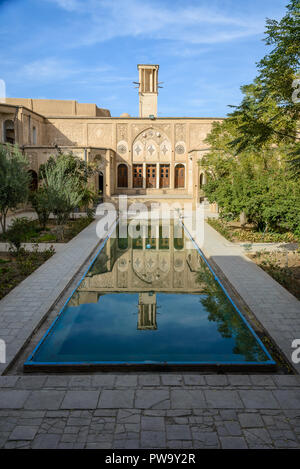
146 265
147 311
128 266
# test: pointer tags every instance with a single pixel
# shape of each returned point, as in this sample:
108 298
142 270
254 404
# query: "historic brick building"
146 157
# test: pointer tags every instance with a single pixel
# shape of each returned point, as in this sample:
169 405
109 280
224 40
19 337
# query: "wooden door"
137 175
164 177
122 175
151 176
179 176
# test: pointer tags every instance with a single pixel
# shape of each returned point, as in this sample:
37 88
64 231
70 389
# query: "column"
144 175
157 175
108 169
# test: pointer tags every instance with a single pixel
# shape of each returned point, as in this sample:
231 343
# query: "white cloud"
102 20
51 68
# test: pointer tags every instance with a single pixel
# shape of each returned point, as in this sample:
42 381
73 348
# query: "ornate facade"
145 157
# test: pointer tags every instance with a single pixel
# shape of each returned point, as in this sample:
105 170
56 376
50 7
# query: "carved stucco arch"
151 144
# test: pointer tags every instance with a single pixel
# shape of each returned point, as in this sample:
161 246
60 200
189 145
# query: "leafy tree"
17 232
63 191
268 111
254 157
73 165
41 203
78 170
14 180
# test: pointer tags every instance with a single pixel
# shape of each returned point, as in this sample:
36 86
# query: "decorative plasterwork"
122 148
122 132
150 145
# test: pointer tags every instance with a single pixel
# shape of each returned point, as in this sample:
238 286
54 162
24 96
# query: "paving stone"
223 399
126 380
178 432
194 380
171 380
49 400
287 380
57 381
228 414
80 381
233 442
187 399
22 432
103 380
152 399
258 438
149 380
216 380
13 399
80 400
126 444
262 380
176 444
248 420
128 416
153 439
116 399
107 412
288 399
152 423
8 381
239 380
31 382
233 428
205 439
258 399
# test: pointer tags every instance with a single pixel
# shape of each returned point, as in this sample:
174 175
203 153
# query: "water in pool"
149 300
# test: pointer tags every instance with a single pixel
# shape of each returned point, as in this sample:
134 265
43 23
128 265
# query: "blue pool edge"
29 364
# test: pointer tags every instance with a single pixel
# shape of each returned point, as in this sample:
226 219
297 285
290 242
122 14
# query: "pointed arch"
179 176
122 175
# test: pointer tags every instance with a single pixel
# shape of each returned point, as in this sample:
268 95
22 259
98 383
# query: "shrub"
20 230
41 203
14 180
63 192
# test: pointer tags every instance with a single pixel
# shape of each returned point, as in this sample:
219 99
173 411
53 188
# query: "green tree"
63 190
77 169
41 203
254 157
269 113
14 180
73 166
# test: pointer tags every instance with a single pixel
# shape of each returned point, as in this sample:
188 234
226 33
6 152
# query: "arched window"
179 176
100 183
33 185
34 135
9 131
122 175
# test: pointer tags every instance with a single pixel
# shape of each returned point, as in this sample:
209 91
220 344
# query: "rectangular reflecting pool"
149 302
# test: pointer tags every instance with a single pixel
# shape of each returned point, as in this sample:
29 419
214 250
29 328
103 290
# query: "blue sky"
88 50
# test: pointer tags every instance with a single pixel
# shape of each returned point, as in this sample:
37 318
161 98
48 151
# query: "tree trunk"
3 222
243 219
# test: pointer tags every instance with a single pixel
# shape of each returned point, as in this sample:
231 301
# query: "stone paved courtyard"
150 411
147 410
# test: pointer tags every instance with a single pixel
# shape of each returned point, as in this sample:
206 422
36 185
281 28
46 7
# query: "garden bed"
234 232
33 233
15 267
284 267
